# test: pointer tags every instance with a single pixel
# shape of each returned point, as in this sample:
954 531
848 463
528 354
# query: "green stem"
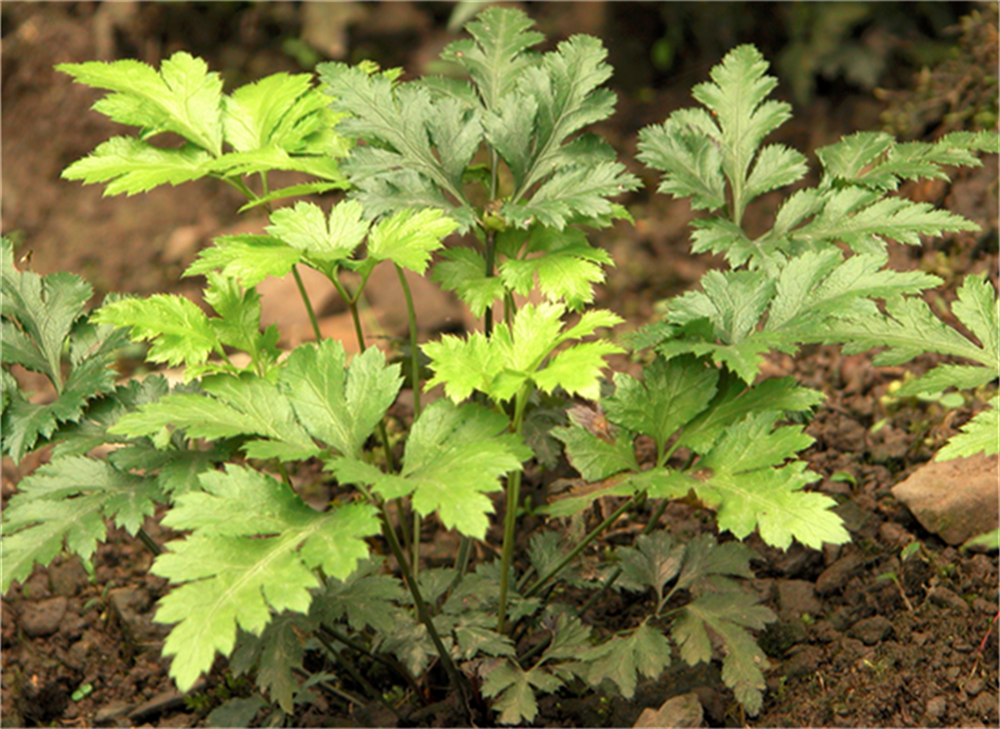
458 679
491 252
349 666
510 516
572 554
461 561
411 315
305 299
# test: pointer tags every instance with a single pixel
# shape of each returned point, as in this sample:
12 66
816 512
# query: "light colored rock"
954 499
39 619
680 711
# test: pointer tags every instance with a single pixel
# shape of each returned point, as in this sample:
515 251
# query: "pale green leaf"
979 435
261 559
463 271
183 97
64 504
655 560
248 258
341 407
596 457
307 228
131 166
409 237
179 332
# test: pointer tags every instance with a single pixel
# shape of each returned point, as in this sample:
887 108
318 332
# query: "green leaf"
243 405
622 659
596 457
497 56
748 490
566 274
38 313
280 109
340 406
179 331
134 166
409 237
735 401
247 258
690 161
513 688
499 366
255 547
277 654
367 598
655 560
66 502
671 394
979 435
463 271
183 97
728 614
445 439
306 228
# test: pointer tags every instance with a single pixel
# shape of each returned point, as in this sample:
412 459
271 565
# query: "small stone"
40 619
67 578
894 534
680 711
132 604
111 713
955 499
797 598
946 598
871 630
974 686
835 576
804 661
985 707
936 707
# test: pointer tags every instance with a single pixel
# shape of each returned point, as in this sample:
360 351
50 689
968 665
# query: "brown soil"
864 638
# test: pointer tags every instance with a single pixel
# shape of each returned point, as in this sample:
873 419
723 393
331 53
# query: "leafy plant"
501 156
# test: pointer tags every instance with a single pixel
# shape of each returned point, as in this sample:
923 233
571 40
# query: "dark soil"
864 638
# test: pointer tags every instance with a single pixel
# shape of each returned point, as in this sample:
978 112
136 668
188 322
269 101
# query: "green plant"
501 157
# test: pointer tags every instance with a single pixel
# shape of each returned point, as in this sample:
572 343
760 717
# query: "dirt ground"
864 638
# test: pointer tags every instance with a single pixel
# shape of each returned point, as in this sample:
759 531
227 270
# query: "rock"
171 700
974 686
67 578
946 598
954 499
281 303
39 619
132 604
893 534
804 660
871 630
835 576
797 598
936 707
680 711
111 713
985 707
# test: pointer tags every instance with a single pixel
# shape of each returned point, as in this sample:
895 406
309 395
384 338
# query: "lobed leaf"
254 549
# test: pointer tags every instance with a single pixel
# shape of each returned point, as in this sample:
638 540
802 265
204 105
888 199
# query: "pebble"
944 597
984 706
974 686
680 711
955 499
39 619
835 576
67 578
871 630
804 661
797 598
110 713
936 707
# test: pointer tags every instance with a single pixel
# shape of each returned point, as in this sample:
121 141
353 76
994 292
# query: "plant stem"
305 299
458 679
356 674
510 514
461 561
411 315
584 543
491 252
